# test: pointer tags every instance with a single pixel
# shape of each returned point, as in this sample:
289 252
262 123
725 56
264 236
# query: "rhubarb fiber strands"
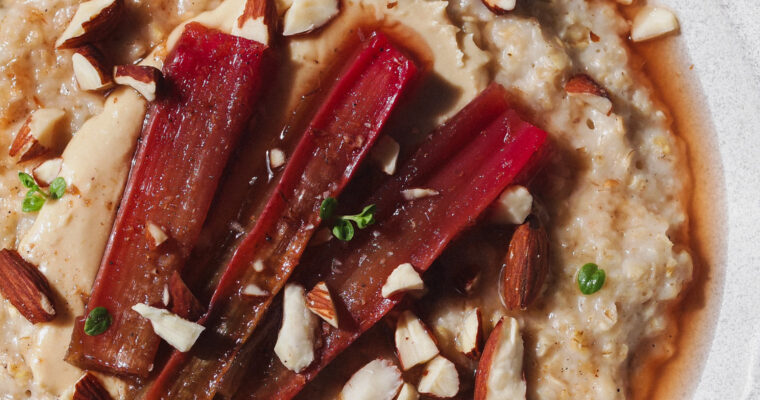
494 145
337 139
212 83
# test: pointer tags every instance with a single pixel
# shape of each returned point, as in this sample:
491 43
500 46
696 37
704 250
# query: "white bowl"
722 40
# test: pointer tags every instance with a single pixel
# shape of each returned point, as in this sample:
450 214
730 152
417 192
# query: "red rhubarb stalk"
435 151
414 231
212 82
337 139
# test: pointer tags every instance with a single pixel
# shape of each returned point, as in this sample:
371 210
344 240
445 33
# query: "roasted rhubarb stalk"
337 139
212 83
458 183
438 147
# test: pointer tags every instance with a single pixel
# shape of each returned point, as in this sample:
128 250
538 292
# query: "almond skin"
320 302
39 135
500 7
143 78
91 69
415 343
583 84
502 360
90 388
25 287
258 21
94 27
526 266
140 73
585 88
25 139
46 171
470 337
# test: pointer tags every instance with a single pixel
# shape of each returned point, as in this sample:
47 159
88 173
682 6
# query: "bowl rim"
716 38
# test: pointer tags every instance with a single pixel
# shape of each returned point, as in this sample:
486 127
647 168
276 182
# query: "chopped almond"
584 84
377 380
143 78
418 193
25 287
91 70
440 379
470 338
295 342
513 206
321 303
526 266
93 20
178 332
385 154
89 387
254 290
414 342
304 16
40 135
46 171
500 370
651 22
256 21
276 158
165 296
403 279
156 234
408 392
585 88
500 6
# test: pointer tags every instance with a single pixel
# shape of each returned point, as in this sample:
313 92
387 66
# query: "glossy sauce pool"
675 83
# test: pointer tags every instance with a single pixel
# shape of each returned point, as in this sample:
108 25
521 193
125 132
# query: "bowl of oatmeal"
370 199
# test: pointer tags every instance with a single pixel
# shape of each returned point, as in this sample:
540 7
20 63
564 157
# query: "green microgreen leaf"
364 218
57 188
97 322
343 230
327 208
33 201
590 278
342 226
28 181
35 197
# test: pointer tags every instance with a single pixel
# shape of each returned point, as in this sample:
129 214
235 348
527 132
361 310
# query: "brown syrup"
671 371
660 370
658 373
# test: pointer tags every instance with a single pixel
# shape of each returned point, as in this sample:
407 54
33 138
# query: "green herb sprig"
97 322
35 198
343 225
590 278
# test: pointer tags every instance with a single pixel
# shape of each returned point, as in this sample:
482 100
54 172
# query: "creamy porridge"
613 193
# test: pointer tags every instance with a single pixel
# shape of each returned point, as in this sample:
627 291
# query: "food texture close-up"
366 200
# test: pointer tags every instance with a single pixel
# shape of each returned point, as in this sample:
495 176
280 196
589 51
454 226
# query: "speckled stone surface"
722 39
